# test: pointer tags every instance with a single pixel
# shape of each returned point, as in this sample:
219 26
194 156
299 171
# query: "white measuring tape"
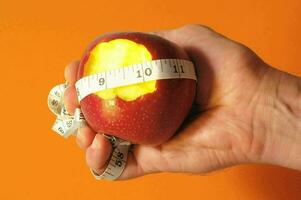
67 124
133 74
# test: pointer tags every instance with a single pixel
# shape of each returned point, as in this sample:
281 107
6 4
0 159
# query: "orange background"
37 38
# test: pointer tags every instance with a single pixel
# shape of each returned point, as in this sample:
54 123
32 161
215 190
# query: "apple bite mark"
115 54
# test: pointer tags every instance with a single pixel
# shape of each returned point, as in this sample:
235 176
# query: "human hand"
228 124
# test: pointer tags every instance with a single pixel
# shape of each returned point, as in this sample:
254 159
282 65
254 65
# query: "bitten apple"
145 113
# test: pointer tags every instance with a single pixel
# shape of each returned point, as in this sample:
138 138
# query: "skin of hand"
244 112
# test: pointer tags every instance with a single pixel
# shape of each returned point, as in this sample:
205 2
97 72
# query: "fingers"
98 155
85 137
71 72
70 97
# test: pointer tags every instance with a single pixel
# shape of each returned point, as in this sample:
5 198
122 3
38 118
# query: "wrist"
278 119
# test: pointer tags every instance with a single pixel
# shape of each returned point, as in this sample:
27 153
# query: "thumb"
98 156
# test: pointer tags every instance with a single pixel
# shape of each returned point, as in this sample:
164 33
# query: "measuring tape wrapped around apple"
134 88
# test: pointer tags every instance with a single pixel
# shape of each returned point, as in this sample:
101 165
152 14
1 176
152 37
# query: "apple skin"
153 118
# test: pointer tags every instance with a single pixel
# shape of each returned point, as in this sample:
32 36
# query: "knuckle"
246 56
244 52
199 27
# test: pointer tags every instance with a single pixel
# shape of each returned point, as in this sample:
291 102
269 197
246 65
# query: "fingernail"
96 143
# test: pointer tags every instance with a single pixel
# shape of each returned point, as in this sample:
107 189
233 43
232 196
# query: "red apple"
145 113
